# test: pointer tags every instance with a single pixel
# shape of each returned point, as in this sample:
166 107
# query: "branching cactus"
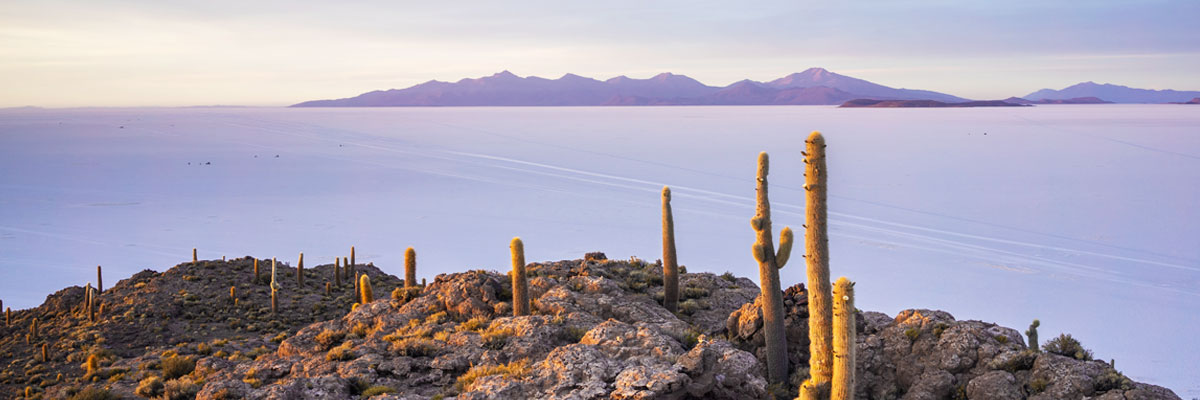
843 340
769 263
1032 335
816 246
364 285
670 263
300 271
520 286
410 267
99 280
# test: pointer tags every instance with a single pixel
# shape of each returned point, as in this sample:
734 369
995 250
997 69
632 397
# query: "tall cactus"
255 281
8 316
364 285
337 273
194 258
33 330
45 353
233 294
300 271
769 263
1032 334
520 287
410 267
91 303
352 261
816 244
274 289
843 340
99 280
351 272
670 263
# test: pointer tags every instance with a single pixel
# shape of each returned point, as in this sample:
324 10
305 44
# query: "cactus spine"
816 245
410 267
364 286
337 273
1032 334
768 273
843 340
670 264
520 287
300 271
274 288
99 281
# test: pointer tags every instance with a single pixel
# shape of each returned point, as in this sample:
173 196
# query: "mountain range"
814 86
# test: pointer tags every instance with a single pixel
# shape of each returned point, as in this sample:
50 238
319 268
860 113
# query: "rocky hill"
597 330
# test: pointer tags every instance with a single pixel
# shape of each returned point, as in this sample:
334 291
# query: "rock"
720 371
995 385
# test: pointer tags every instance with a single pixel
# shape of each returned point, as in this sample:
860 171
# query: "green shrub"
1002 339
1038 385
180 390
912 333
939 329
572 334
1112 379
1065 345
377 390
150 387
495 339
340 353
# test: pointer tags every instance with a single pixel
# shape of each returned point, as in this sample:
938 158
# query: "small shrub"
473 324
329 338
1112 379
437 318
693 292
1038 385
377 390
175 367
415 347
572 334
912 333
495 339
939 328
340 353
513 370
728 276
150 387
1065 345
360 330
1002 339
441 336
280 337
93 393
689 306
180 390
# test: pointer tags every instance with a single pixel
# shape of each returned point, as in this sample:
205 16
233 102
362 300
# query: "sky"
56 53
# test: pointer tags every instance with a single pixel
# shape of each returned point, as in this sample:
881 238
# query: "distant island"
814 86
1192 101
871 103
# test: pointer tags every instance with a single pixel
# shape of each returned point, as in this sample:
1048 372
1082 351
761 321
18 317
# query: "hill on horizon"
815 86
1113 93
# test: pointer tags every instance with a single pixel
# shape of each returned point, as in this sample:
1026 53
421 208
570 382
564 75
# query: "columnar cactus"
843 340
352 272
194 258
352 261
45 353
328 288
816 245
8 316
410 267
233 293
520 287
1032 334
670 264
33 330
99 280
364 285
769 263
274 288
255 271
300 271
337 273
91 303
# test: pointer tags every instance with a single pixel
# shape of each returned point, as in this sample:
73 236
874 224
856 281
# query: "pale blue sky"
144 53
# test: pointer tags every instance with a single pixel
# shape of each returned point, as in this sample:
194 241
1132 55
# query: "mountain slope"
814 86
1114 93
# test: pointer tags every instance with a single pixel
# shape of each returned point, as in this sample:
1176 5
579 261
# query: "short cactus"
669 262
45 353
300 271
194 258
364 284
1032 334
769 263
410 267
99 280
328 288
352 261
842 386
255 281
233 293
8 316
33 330
520 287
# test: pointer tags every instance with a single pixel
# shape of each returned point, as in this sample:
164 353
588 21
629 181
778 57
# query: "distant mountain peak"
1113 93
